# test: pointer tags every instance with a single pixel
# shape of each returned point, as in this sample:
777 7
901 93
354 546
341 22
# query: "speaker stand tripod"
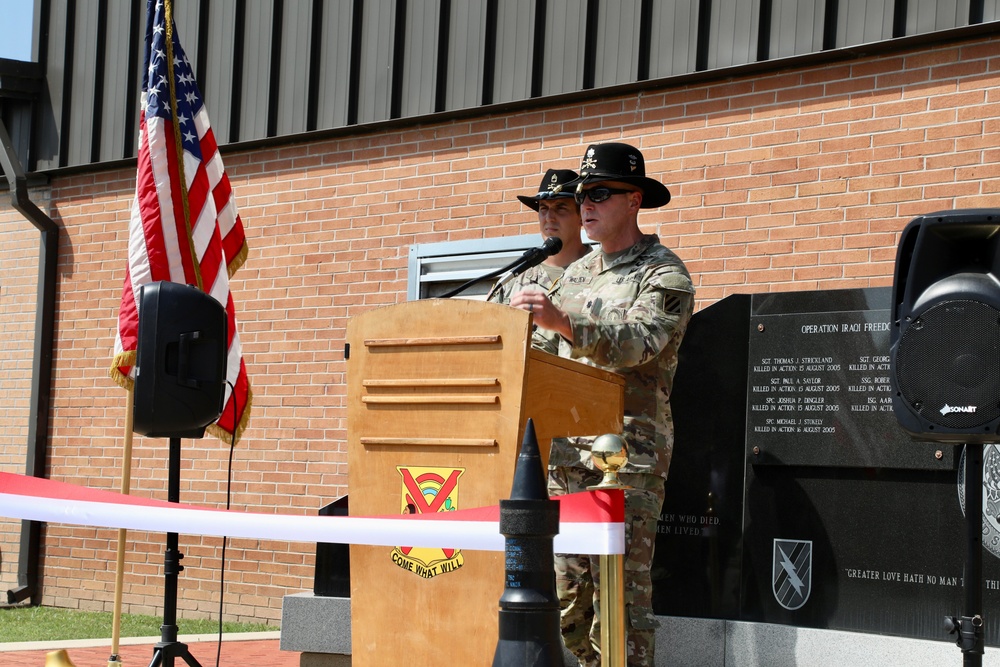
970 626
168 648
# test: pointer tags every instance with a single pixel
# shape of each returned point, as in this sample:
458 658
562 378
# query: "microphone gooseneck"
531 257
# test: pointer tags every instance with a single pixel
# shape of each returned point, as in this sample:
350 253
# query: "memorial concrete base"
320 628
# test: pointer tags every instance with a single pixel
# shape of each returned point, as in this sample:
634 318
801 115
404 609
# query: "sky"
15 29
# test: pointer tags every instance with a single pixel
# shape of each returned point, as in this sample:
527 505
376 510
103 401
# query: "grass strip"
30 624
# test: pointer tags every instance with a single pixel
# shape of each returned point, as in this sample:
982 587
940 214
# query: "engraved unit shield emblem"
991 495
426 490
791 572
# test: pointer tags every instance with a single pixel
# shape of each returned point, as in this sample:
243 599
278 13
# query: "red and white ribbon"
589 523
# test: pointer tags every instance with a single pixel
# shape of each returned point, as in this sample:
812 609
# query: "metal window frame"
450 263
454 262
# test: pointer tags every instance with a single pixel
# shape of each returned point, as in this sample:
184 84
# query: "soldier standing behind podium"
624 307
558 216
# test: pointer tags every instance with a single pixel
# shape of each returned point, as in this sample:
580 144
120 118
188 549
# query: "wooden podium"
439 392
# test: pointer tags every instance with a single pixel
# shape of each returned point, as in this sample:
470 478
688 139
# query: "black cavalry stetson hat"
621 162
553 184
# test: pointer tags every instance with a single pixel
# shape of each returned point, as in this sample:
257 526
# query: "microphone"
536 256
529 259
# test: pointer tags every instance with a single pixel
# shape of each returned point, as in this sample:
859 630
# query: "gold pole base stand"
58 659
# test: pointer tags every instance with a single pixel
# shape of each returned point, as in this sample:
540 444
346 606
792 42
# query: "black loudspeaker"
180 370
945 338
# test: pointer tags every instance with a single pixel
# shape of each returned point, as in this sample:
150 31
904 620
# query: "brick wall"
18 295
794 180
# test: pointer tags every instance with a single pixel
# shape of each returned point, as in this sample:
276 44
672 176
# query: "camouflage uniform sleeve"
501 295
636 332
545 340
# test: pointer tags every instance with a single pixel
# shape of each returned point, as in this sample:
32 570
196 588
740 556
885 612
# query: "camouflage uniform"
578 577
629 312
539 278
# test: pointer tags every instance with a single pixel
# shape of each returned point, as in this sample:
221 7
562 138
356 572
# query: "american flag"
163 242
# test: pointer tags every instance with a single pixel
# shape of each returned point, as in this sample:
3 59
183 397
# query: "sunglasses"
597 195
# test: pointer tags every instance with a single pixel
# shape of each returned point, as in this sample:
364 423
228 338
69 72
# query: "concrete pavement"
238 650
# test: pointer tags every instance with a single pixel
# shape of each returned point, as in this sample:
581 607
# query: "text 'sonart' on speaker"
945 338
180 370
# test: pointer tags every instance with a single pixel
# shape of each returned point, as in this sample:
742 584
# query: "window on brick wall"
436 268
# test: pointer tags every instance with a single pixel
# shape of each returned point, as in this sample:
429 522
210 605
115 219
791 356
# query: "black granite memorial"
794 495
332 575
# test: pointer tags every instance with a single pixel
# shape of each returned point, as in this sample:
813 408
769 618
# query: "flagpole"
168 9
116 622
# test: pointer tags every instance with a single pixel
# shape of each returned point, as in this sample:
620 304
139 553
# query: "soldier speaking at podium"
625 308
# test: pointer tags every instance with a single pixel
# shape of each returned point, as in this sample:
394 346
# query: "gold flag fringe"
126 358
224 435
238 261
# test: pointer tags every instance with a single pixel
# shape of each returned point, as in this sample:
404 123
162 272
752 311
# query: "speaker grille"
948 364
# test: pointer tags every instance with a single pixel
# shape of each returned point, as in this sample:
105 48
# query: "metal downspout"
41 379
